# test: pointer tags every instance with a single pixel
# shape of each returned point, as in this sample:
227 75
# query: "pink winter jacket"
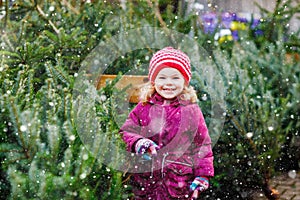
185 152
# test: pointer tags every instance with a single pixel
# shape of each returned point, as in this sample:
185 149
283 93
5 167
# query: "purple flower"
235 35
210 22
241 19
227 18
255 23
255 26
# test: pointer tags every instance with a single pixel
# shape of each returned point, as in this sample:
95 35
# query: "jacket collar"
157 99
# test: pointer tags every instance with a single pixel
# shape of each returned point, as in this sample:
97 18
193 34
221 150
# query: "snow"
292 174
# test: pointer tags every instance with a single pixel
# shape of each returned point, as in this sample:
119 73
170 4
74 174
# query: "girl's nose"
169 81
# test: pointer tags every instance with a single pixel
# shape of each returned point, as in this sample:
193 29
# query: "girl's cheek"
159 84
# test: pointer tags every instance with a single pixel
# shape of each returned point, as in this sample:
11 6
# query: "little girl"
168 133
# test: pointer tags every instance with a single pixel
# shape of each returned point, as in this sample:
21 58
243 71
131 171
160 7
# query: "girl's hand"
199 185
146 148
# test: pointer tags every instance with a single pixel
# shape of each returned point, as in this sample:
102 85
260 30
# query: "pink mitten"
146 148
200 183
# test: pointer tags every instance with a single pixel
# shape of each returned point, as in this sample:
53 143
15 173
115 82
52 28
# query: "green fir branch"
8 147
57 72
49 71
14 111
9 54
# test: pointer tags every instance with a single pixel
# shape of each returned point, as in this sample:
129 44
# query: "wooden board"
134 81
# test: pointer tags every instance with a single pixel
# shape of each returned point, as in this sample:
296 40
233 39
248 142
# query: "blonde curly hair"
147 90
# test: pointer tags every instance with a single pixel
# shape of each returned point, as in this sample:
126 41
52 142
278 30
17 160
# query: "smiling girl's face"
169 83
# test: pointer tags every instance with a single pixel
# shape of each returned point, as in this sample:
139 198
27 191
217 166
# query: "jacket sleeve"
202 150
130 130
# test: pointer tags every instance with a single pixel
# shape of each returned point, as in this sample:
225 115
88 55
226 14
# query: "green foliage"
277 22
43 154
61 38
258 124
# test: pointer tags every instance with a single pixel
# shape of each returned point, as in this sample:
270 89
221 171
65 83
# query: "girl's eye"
176 77
161 77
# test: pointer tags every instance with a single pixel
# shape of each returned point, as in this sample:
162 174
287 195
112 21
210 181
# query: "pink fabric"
185 147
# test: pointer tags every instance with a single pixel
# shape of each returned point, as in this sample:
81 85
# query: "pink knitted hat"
170 57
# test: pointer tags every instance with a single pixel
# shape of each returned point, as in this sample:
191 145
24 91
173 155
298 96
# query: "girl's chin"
168 95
